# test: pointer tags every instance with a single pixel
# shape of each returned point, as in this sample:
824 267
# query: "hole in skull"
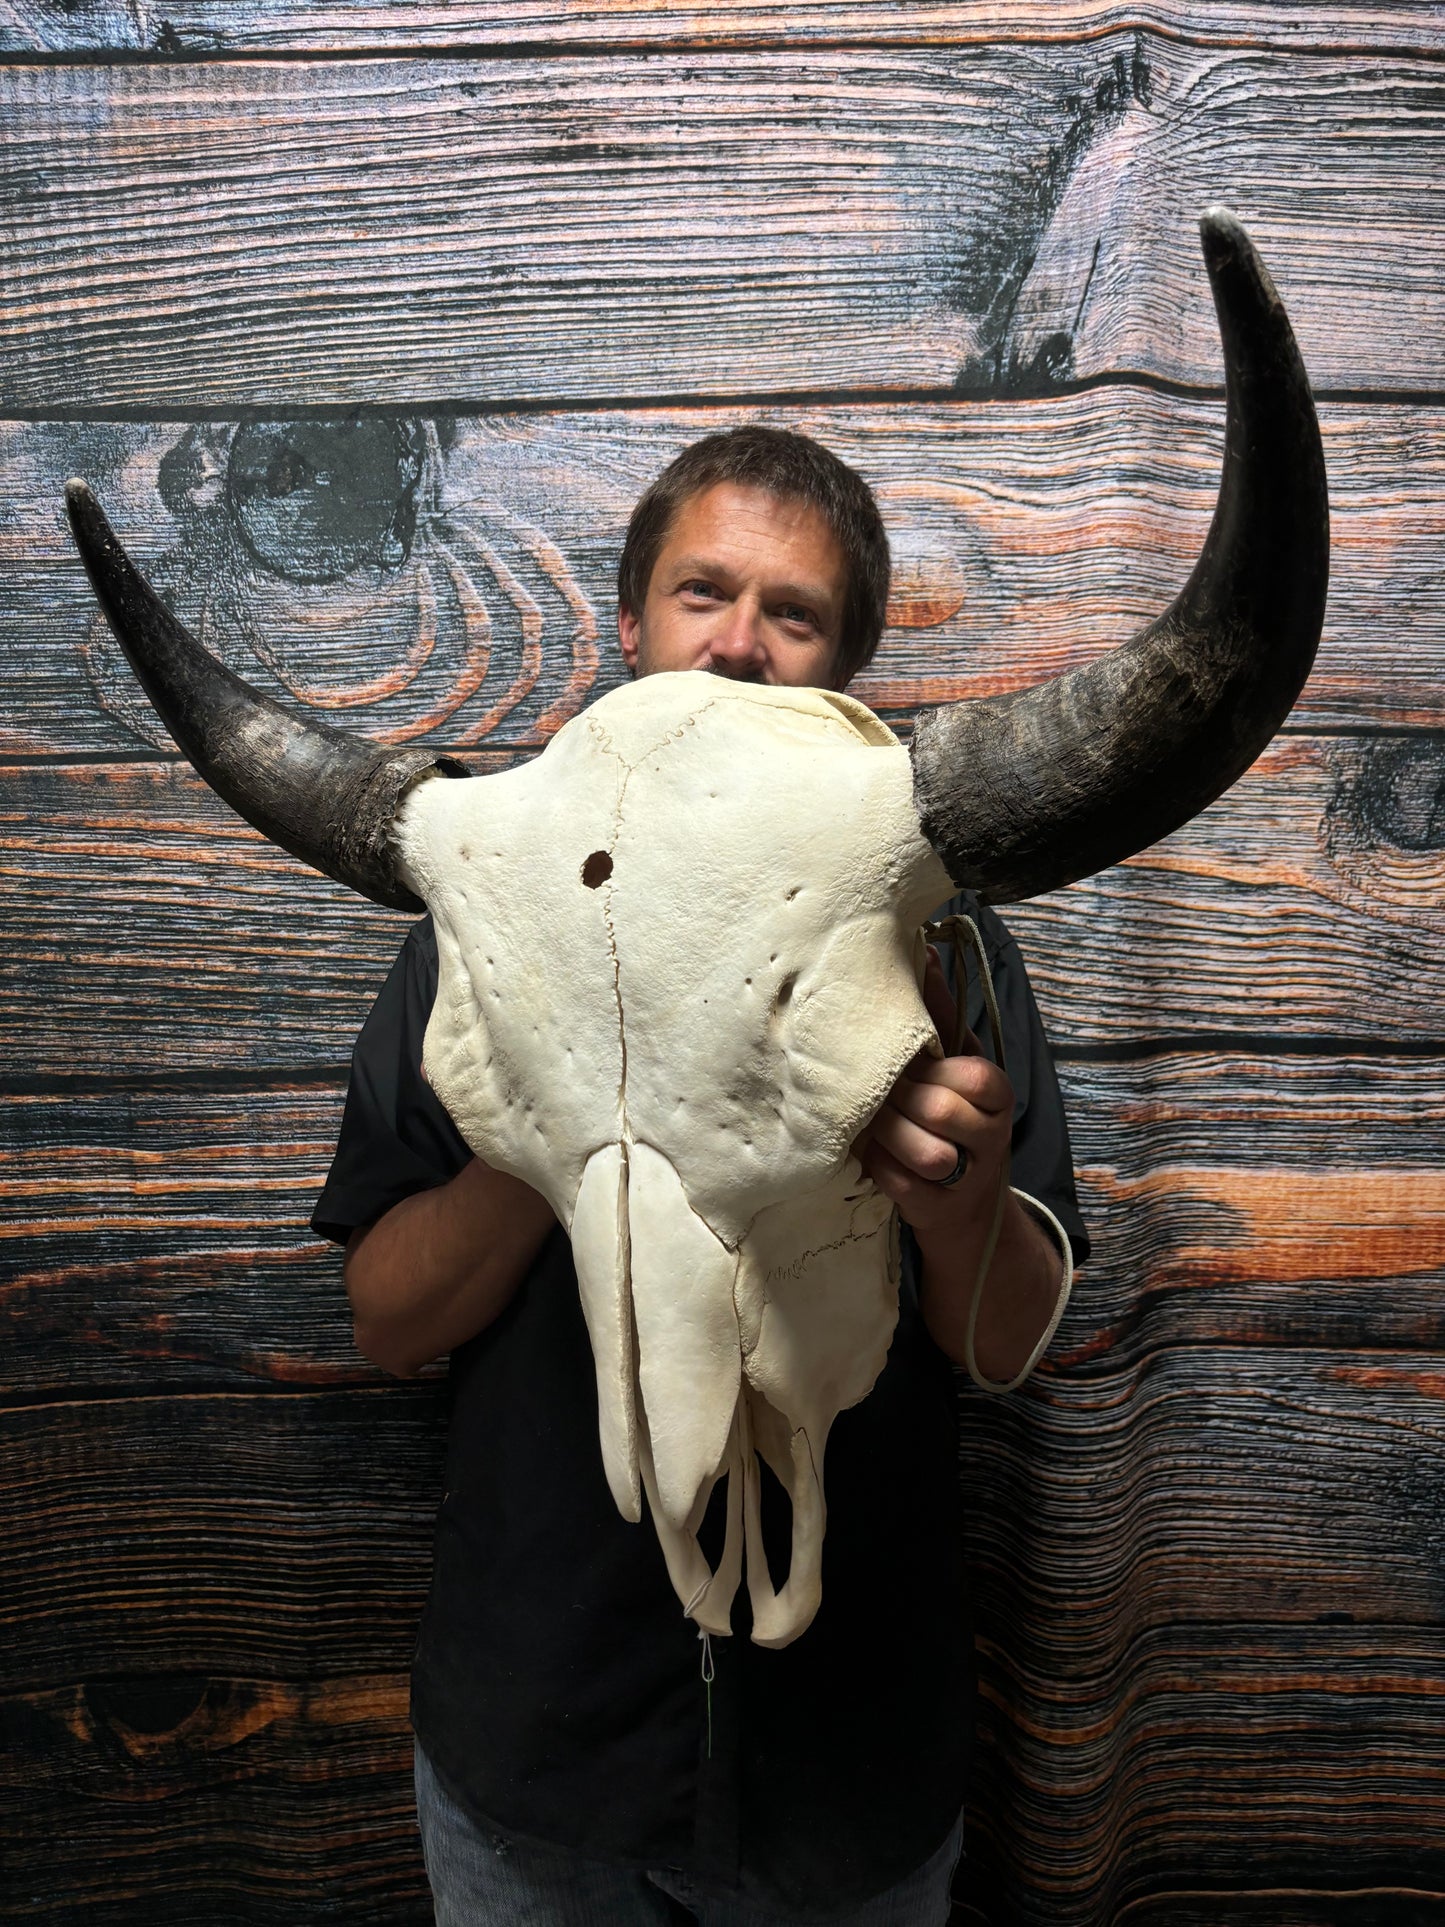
785 990
777 1523
596 869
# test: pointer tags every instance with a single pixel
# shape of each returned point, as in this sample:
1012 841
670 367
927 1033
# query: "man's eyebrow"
708 565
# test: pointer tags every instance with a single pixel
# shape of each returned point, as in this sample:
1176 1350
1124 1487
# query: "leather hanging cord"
963 934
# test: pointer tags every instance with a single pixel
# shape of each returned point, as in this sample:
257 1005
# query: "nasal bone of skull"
657 1294
710 1360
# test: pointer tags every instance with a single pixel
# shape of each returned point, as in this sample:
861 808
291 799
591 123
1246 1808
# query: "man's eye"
795 612
707 589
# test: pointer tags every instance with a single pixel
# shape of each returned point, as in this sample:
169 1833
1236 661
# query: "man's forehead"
735 525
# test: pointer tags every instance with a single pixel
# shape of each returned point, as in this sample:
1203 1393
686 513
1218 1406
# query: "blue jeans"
480 1878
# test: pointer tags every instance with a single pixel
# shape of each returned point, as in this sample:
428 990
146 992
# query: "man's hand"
937 1108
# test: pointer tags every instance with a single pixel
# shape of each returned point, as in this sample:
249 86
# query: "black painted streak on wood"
1026 345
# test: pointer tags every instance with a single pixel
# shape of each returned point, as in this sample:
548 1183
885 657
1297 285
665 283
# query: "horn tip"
1222 235
77 492
1232 260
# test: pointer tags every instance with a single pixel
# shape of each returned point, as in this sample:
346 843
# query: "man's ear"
629 631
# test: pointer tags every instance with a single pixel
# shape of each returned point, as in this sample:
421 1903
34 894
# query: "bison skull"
675 1042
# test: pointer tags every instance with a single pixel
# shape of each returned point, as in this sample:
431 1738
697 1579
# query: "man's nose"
737 644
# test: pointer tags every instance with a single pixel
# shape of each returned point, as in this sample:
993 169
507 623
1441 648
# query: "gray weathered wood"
1305 904
400 233
1028 536
1205 1541
155 1235
1332 834
193 28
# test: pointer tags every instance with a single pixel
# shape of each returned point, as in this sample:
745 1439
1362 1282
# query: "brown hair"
797 469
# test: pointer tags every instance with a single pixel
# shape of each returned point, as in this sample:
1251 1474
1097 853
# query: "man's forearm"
1020 1292
439 1267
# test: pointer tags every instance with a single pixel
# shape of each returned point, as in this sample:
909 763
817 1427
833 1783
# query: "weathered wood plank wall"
486 267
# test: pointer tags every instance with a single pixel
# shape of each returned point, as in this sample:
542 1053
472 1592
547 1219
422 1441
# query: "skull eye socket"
596 869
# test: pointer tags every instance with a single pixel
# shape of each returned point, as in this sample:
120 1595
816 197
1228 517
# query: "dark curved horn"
324 795
1021 793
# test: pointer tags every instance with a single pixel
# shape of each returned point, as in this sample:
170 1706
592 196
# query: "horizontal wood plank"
1235 1199
468 597
1306 902
1204 1488
1296 907
153 1237
1238 1763
1181 1652
134 958
194 28
287 1536
409 233
156 1236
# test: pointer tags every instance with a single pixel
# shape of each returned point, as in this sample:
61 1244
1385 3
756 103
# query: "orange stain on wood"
1391 1378
1292 1225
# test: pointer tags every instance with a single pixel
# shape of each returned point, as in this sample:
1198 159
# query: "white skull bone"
679 962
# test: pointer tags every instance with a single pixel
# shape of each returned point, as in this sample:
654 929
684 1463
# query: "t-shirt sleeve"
1042 1163
396 1137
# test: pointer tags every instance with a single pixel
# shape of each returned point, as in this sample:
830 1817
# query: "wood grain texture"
1302 905
154 1233
132 1798
1248 1560
254 1534
274 234
154 1236
1223 925
209 1607
195 28
1237 1199
1197 1705
1236 1697
1206 1540
469 596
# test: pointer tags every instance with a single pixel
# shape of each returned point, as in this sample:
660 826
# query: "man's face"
746 584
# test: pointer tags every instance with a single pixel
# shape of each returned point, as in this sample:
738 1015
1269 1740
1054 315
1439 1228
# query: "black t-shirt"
558 1690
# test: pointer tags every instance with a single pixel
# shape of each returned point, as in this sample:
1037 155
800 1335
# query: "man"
579 1757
